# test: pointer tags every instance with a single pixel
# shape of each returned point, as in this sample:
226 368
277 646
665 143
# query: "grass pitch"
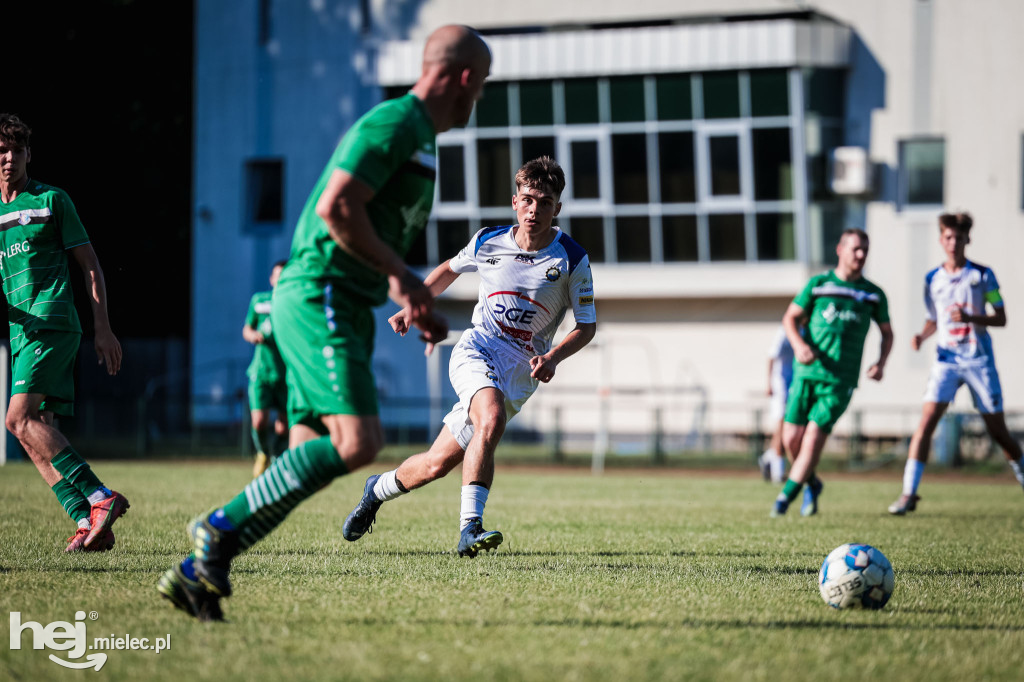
631 576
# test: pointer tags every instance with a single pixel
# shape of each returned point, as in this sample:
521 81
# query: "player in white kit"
530 275
780 375
956 294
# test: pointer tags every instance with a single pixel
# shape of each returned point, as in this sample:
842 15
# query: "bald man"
368 207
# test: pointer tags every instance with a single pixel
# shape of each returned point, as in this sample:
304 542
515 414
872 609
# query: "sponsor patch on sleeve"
587 300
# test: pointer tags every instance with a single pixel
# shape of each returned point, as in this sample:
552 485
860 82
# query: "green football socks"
73 501
75 471
294 476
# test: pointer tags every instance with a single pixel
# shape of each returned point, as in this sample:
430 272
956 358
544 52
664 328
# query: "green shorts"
46 365
268 394
821 402
326 342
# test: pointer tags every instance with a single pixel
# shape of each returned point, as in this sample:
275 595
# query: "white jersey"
970 288
524 294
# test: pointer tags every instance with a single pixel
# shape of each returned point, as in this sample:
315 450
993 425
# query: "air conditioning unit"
851 171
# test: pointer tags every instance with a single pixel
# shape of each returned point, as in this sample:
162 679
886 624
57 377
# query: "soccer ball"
856 576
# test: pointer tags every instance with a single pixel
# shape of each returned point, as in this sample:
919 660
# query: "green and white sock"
790 491
293 477
70 465
74 502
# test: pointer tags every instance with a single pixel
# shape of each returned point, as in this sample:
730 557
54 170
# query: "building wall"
946 67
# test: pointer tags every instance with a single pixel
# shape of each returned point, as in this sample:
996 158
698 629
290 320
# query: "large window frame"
792 208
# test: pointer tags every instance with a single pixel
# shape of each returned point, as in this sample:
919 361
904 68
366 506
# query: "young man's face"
535 208
954 241
852 252
13 161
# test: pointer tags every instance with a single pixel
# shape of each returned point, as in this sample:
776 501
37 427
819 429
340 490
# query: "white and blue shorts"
482 361
982 380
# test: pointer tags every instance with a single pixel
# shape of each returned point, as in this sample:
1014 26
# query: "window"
922 164
264 196
673 168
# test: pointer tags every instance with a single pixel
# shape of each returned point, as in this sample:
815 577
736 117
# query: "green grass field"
631 576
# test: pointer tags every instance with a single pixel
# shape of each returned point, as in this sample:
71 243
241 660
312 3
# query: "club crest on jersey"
523 258
553 274
491 375
24 218
831 314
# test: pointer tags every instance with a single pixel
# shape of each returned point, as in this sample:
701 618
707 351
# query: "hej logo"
60 636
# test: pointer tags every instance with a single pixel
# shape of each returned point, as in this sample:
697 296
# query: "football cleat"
214 549
811 494
475 539
360 521
103 543
189 595
103 514
779 508
906 503
260 464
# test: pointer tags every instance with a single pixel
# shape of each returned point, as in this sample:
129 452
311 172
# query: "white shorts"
481 361
780 394
982 380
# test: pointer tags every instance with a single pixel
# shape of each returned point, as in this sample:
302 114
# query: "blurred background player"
369 205
38 227
530 275
267 389
780 376
955 298
837 308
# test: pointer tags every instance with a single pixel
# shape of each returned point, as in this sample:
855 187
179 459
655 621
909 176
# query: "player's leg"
917 457
988 398
794 426
415 472
487 414
831 400
84 497
260 439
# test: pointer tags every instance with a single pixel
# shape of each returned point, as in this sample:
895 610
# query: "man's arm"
342 206
108 349
434 327
791 322
876 370
929 328
544 365
996 319
251 335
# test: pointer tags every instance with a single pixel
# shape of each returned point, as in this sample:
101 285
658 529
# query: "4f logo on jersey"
523 258
492 261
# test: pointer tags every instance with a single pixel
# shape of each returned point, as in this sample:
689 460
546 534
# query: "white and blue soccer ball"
856 576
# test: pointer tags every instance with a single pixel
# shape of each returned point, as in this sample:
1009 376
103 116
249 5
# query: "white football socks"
912 476
386 488
474 497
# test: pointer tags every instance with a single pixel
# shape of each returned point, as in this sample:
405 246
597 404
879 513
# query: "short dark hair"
13 131
541 173
853 230
961 222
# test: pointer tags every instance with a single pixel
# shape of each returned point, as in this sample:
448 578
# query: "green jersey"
392 150
266 364
36 229
839 316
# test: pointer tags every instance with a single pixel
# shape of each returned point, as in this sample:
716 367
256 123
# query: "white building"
697 139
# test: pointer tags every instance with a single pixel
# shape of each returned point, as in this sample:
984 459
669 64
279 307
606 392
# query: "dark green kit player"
38 228
369 205
837 308
267 390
